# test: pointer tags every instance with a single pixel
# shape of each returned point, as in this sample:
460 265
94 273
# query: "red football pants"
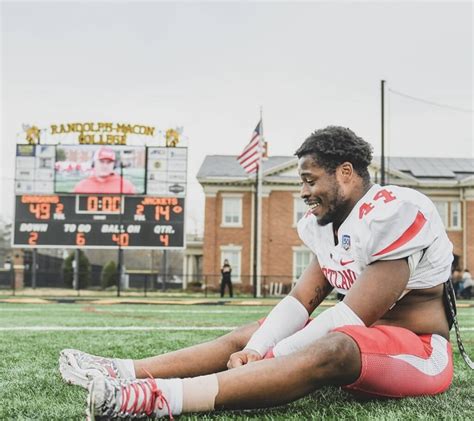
397 363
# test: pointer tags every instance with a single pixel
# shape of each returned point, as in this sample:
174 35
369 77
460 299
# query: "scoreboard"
100 196
99 221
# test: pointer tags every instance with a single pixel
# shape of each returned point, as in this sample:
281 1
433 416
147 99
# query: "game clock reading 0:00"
96 221
107 204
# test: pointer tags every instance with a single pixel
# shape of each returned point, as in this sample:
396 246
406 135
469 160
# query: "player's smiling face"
322 192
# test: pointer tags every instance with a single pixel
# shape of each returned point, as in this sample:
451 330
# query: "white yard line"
105 310
110 328
132 328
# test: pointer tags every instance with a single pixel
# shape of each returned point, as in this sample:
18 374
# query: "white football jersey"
387 223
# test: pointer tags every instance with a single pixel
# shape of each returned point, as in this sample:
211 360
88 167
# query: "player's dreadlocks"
333 145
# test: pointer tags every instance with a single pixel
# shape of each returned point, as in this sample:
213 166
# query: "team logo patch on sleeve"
346 242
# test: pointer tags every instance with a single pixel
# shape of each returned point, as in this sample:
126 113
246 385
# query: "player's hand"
243 357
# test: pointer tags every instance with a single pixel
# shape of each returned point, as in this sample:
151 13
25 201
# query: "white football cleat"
79 368
112 398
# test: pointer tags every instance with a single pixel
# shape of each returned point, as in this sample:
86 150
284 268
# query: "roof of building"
458 168
227 166
224 167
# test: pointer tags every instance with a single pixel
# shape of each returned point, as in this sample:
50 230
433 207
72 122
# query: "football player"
383 247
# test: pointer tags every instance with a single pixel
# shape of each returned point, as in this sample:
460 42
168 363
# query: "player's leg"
208 357
398 363
78 367
332 360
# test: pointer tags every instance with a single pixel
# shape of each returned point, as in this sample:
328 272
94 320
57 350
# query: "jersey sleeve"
395 231
302 227
309 233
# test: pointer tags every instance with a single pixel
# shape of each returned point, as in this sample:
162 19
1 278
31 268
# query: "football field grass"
31 336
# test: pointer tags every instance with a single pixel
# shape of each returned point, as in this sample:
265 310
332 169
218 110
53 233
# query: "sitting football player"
383 247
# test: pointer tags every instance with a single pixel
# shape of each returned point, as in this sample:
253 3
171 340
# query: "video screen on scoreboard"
99 169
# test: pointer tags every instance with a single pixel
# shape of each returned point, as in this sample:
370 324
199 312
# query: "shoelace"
110 367
147 387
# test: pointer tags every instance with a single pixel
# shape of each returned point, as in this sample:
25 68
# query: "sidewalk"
69 296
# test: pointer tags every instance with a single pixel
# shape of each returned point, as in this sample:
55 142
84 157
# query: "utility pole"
382 157
120 251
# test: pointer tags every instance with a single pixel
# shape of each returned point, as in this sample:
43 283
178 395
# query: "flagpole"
259 201
251 161
255 236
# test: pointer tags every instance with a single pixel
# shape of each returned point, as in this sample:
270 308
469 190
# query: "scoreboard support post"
34 267
164 271
12 275
120 251
119 270
75 279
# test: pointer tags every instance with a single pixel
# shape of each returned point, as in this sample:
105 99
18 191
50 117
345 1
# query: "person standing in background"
467 284
226 280
456 279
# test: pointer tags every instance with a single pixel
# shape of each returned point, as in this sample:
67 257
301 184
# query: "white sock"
126 368
172 390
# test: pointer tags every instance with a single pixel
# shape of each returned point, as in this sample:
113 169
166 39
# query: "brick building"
229 209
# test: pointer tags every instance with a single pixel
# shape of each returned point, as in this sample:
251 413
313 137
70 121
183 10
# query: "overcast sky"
209 66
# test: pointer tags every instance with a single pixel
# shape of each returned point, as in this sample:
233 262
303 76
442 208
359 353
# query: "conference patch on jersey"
346 242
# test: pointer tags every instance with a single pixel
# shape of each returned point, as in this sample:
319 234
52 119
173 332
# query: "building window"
301 259
232 211
455 215
233 255
450 213
299 209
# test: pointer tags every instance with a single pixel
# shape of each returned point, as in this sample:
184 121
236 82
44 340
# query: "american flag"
250 156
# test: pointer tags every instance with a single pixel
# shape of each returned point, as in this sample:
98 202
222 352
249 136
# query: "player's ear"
346 170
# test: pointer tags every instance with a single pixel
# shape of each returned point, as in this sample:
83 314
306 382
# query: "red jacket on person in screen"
109 184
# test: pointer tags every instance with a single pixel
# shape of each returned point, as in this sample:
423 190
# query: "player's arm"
287 317
376 290
312 287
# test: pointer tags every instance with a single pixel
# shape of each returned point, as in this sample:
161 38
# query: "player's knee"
239 337
336 359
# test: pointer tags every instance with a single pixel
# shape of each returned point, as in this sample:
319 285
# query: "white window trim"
446 212
296 249
232 196
296 198
233 248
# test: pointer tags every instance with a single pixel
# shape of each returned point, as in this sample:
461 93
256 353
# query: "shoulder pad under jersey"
392 226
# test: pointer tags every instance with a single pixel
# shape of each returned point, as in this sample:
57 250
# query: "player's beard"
336 205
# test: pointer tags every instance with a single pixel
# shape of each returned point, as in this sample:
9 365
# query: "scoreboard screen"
99 221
